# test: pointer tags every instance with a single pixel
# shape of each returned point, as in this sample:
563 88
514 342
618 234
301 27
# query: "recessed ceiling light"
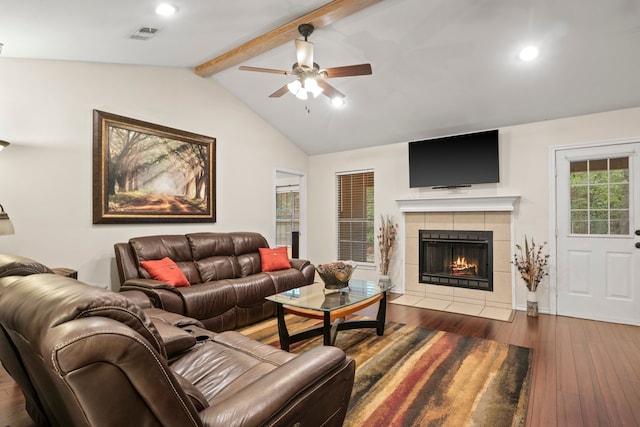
529 53
166 9
337 101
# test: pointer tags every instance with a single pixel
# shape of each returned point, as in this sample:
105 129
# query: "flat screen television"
455 161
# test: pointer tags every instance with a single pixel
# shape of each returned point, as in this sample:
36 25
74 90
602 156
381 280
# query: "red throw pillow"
274 259
166 271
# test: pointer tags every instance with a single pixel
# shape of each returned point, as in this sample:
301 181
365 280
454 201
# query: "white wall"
524 171
46 172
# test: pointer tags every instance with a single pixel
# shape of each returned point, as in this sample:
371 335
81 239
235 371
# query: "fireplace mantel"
459 204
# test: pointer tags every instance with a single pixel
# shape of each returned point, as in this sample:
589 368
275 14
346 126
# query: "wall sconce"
6 227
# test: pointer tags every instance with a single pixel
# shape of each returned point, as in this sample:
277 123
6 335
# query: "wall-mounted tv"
455 161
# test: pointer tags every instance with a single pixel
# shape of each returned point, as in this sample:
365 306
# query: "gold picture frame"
148 173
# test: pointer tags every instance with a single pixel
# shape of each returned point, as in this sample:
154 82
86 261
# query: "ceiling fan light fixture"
294 86
317 91
311 85
302 94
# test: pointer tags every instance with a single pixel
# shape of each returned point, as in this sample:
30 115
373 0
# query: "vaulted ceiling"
440 67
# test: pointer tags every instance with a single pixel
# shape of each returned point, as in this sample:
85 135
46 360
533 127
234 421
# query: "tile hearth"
431 303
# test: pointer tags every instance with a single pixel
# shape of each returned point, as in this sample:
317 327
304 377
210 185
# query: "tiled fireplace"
458 258
454 218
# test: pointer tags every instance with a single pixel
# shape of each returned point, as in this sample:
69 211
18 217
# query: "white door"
598 227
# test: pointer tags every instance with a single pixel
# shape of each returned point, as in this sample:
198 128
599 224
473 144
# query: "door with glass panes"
597 207
287 216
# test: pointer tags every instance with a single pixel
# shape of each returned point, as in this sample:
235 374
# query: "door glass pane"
619 197
579 197
619 169
598 171
578 173
579 222
619 222
599 196
599 221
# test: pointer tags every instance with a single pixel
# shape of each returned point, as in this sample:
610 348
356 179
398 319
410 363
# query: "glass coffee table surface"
332 306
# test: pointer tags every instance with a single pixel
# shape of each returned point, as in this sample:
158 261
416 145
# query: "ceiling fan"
310 78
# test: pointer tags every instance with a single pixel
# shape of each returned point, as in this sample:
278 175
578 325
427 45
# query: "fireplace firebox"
462 259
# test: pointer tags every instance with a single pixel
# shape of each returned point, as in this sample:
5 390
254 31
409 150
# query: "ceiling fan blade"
263 70
304 53
348 70
277 94
330 91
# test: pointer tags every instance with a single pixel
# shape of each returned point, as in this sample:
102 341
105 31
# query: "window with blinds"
355 216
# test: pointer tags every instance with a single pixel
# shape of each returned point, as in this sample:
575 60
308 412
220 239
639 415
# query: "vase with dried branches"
387 234
531 263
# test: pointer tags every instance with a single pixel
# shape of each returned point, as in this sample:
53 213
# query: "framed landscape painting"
148 173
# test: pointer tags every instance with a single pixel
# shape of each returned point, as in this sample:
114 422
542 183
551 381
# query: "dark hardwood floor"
585 373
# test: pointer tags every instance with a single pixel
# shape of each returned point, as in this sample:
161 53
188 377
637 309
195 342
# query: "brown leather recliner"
14 266
95 359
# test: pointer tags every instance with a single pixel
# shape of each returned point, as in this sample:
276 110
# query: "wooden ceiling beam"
320 17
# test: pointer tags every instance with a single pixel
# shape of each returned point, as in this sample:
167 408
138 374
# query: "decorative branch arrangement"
386 241
531 263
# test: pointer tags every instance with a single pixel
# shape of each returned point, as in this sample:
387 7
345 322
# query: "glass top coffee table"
331 306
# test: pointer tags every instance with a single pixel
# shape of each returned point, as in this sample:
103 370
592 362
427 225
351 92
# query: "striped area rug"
420 377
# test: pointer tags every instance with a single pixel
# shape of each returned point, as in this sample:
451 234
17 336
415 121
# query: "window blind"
355 216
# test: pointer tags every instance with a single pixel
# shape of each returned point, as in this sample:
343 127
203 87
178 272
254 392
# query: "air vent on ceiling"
144 33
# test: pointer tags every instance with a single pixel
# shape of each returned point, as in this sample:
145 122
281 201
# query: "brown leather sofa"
92 357
228 286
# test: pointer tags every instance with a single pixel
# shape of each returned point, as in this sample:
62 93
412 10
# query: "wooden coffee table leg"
282 329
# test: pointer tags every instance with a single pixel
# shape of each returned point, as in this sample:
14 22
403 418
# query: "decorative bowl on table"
336 275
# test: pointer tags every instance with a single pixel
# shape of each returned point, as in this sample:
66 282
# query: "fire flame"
460 262
461 265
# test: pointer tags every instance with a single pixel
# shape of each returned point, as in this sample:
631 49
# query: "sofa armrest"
161 294
157 315
299 264
147 284
175 340
321 378
308 270
139 298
